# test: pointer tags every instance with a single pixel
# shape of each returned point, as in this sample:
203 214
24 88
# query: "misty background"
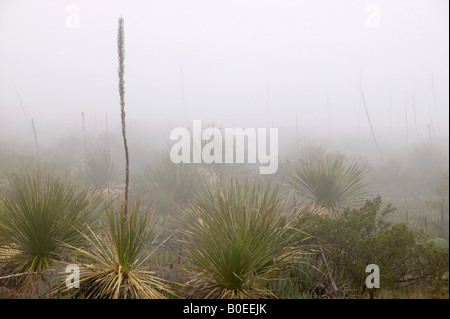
357 89
241 63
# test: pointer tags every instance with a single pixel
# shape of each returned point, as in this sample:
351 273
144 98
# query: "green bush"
362 236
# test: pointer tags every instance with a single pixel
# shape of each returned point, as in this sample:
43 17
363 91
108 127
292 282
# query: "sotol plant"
116 264
329 186
328 183
169 186
237 236
102 172
38 216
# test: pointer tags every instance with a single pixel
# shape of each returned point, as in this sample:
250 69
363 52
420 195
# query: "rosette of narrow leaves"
329 184
116 264
39 214
103 172
166 184
237 237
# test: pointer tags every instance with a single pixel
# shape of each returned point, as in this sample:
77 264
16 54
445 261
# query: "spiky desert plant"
38 214
115 265
237 236
102 172
328 183
168 185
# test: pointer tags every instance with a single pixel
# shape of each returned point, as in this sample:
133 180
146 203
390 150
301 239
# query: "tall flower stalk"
121 71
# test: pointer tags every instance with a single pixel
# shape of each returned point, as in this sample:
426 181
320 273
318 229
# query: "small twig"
330 276
35 139
18 275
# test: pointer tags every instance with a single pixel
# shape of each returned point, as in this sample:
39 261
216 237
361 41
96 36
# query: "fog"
256 133
232 63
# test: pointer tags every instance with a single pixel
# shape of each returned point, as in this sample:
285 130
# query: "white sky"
228 51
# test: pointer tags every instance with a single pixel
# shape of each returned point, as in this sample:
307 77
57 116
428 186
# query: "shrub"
361 236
